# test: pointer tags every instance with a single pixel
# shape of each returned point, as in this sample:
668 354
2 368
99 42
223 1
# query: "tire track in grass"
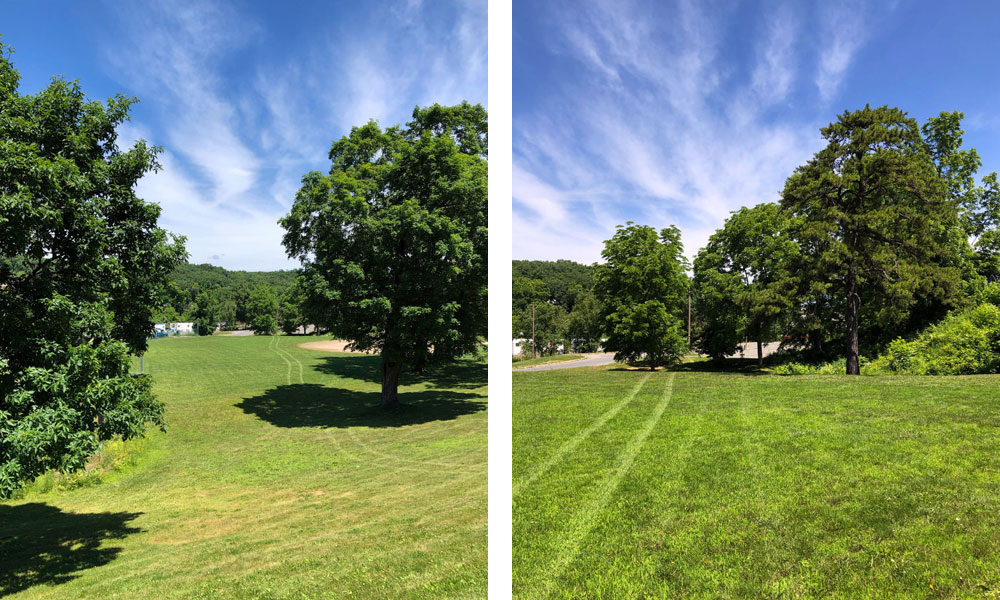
289 355
273 347
585 518
574 441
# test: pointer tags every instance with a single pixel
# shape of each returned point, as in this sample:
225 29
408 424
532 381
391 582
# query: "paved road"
590 360
749 350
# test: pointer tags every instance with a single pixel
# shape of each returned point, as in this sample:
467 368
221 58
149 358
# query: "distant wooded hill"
209 295
207 277
563 279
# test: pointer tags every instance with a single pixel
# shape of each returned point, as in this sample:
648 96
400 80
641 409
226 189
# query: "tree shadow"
314 405
459 374
40 544
736 366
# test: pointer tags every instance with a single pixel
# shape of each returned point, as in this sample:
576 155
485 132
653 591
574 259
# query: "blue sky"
246 97
681 112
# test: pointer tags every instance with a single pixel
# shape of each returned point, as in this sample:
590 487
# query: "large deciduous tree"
643 289
743 282
82 264
877 219
393 240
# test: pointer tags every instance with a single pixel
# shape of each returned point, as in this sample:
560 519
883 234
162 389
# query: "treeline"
883 233
554 304
211 296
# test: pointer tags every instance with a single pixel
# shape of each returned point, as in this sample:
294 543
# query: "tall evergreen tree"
877 219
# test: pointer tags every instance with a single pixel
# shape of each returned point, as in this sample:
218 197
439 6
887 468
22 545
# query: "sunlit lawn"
688 484
278 477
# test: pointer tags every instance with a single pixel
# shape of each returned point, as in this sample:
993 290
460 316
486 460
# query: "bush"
836 367
990 294
964 343
204 326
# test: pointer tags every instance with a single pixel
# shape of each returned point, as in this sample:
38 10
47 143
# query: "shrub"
964 343
990 294
836 367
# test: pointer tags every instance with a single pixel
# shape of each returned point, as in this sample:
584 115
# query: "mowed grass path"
629 484
278 477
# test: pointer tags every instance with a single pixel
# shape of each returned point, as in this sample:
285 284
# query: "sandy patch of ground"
330 346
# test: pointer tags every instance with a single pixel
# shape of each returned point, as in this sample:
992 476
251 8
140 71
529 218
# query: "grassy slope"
748 486
531 362
277 479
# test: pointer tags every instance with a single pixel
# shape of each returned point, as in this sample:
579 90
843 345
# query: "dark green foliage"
585 327
213 293
561 283
262 310
550 324
208 277
965 343
743 280
643 290
292 308
525 291
204 326
877 222
987 222
564 280
393 241
81 264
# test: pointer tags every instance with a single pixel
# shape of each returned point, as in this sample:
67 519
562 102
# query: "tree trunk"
390 383
760 354
852 326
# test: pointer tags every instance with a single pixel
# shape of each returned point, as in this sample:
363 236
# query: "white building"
515 349
183 327
159 326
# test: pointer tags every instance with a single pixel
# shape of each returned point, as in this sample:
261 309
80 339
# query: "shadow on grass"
736 366
313 405
42 545
461 374
740 366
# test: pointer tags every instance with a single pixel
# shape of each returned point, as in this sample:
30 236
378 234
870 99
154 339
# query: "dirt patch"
330 346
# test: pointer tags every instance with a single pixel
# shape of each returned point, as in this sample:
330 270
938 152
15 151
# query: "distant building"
516 346
183 327
159 326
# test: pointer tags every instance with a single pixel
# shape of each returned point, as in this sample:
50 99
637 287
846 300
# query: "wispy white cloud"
844 32
239 131
775 70
656 124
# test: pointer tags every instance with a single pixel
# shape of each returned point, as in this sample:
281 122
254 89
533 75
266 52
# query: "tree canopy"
743 280
564 280
82 262
393 240
643 289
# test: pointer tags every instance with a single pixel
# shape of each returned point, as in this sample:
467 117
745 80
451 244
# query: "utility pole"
532 330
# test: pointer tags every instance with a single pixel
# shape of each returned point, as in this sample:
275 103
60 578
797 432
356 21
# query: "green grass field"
278 477
688 484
